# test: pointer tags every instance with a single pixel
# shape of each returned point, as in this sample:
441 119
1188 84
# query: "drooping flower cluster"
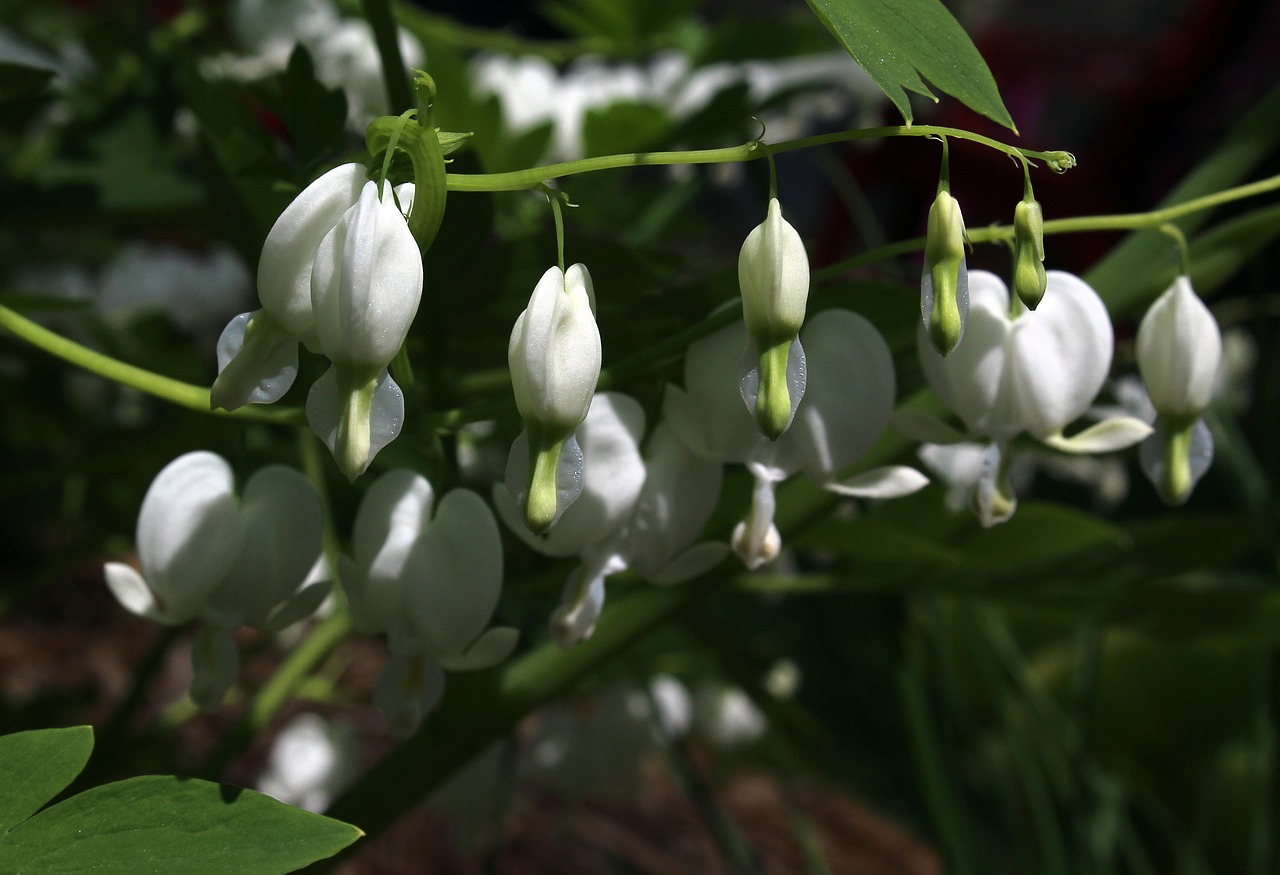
1032 372
428 577
227 562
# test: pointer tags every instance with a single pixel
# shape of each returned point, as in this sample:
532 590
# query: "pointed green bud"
944 284
1029 278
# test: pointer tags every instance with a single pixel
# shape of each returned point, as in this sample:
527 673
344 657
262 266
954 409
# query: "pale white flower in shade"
1179 349
726 717
846 407
477 799
312 760
343 51
594 748
1032 372
635 512
773 276
428 577
554 356
228 562
195 290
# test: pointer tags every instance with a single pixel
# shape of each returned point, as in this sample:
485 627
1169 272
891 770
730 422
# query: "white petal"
709 415
265 371
284 271
454 574
366 282
680 492
392 516
1179 348
1104 437
969 380
131 591
189 532
849 397
891 481
1059 355
613 475
283 525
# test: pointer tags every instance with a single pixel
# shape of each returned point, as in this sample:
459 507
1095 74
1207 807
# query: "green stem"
174 391
518 180
277 692
378 13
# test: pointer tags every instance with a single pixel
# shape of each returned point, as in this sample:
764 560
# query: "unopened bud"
1029 278
944 285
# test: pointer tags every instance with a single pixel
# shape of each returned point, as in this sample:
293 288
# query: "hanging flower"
773 274
227 562
1179 353
554 356
258 351
366 283
1036 373
429 582
944 284
634 513
845 408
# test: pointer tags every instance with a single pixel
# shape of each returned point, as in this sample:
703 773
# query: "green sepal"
773 395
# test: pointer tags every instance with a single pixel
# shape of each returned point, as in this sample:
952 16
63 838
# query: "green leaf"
20 80
622 127
899 41
38 765
159 824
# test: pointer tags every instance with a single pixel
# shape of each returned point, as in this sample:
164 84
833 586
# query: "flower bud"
554 356
773 274
1179 349
1029 278
944 284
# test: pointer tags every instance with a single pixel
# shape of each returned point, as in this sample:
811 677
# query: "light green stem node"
1175 479
773 398
354 437
544 494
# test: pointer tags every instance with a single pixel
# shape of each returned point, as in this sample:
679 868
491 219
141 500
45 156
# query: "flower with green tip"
554 356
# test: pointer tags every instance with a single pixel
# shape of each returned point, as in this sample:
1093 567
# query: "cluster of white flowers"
781 392
342 49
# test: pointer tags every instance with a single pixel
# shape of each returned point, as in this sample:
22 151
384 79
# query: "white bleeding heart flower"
635 512
773 276
430 582
845 408
311 761
258 351
207 555
1179 348
1031 372
554 356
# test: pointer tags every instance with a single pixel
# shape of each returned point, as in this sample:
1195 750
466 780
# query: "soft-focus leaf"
160 824
37 765
622 127
899 41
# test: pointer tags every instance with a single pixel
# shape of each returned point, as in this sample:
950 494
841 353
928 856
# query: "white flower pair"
227 562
